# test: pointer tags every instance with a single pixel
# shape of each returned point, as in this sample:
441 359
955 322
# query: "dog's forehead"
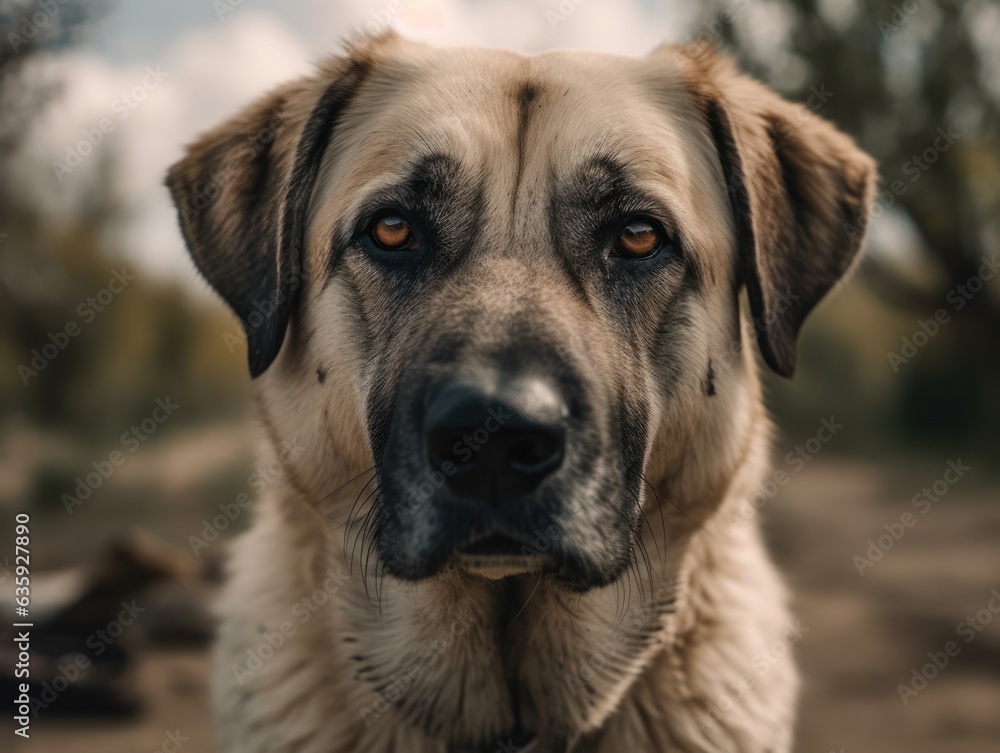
480 106
523 124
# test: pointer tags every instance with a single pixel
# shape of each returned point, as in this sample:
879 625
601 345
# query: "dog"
502 315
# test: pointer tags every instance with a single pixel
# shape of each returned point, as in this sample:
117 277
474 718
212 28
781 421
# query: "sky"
148 77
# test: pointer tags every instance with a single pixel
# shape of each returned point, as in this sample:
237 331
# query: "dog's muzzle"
501 439
495 440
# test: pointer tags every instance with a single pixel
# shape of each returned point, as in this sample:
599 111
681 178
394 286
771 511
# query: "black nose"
495 442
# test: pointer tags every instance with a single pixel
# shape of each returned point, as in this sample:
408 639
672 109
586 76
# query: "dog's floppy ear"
800 191
242 192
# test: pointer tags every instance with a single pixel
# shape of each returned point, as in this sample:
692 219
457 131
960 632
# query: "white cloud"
614 26
215 68
149 110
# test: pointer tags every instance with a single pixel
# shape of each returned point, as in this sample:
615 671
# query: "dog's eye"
639 239
393 233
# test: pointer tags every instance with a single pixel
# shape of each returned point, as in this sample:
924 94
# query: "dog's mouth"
497 555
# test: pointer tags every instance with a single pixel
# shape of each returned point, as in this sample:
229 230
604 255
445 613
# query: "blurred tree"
73 355
916 81
29 28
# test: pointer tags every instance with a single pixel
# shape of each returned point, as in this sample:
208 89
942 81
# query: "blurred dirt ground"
864 635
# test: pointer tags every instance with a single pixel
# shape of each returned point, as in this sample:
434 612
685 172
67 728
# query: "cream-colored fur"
320 651
700 688
718 677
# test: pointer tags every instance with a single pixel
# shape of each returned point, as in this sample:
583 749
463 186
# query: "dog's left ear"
801 194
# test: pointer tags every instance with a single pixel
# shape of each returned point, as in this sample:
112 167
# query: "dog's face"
510 285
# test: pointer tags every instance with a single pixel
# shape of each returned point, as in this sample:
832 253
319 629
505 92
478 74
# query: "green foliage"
78 355
898 76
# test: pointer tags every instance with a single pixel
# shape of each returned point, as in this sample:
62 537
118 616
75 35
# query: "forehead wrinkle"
616 180
390 152
605 180
409 182
679 179
448 99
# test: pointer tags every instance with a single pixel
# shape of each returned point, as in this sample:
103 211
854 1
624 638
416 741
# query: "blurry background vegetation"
154 340
896 71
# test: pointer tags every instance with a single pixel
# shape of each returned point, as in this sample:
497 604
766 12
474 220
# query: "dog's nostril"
535 453
502 442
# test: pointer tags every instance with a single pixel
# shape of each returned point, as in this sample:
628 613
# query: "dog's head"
511 285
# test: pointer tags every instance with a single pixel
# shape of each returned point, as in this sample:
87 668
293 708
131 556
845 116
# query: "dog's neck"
501 664
471 662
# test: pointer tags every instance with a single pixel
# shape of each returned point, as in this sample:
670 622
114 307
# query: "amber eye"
393 233
638 240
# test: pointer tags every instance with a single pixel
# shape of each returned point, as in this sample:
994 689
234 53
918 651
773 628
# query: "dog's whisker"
641 548
371 557
683 512
525 604
322 499
348 523
371 546
660 554
361 537
365 558
361 529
